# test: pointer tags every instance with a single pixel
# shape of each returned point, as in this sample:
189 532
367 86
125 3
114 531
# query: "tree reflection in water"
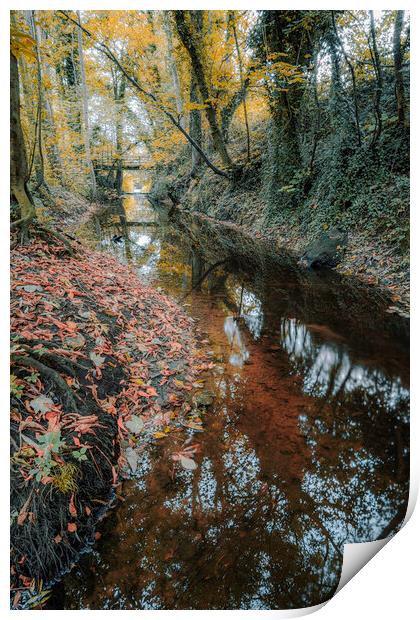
306 448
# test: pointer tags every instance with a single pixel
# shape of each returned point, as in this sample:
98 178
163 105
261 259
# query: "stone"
325 250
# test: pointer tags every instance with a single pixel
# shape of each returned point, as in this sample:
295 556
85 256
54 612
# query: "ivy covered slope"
96 359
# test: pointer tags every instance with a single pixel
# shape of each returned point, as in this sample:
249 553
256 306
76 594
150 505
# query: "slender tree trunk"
195 127
238 52
398 61
85 110
189 41
229 110
379 80
53 152
174 70
41 104
317 119
119 94
353 80
18 162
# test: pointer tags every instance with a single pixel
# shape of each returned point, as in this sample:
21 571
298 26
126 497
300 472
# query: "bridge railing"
107 161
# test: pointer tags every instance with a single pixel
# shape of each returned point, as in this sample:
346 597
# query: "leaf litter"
99 361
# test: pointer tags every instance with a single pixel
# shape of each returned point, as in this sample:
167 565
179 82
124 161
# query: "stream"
305 448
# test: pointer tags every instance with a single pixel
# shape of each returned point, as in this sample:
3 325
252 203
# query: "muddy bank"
100 365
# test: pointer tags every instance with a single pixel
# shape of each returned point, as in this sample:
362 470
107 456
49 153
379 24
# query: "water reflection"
329 370
306 448
238 352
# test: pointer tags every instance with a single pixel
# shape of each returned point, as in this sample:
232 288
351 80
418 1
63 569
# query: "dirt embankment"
97 360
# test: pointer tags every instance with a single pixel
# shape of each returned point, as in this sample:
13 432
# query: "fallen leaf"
72 507
96 359
41 404
188 463
132 458
31 288
135 425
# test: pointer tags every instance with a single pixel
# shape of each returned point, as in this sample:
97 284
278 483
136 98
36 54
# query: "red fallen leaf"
72 507
120 423
98 535
72 293
76 441
151 391
16 598
24 511
145 394
25 580
53 418
72 527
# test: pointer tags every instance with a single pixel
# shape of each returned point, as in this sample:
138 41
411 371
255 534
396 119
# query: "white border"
387 587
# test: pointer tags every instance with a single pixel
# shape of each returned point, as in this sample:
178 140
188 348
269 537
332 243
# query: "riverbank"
100 365
376 225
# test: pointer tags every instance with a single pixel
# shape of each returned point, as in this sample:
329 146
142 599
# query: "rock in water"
325 250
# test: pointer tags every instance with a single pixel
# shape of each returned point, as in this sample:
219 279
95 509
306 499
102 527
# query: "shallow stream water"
305 447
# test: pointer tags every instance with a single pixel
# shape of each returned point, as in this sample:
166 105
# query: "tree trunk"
353 80
174 70
189 41
195 127
40 169
119 95
238 53
379 80
85 110
229 110
398 61
18 161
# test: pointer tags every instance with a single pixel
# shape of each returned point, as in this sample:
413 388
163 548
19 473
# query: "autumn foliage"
97 359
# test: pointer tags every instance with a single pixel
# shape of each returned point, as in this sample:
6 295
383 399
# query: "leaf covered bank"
99 363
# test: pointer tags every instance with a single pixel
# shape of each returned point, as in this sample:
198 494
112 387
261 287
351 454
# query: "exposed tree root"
60 360
46 233
54 376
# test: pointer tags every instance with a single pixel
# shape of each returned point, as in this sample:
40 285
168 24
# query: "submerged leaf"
135 425
132 458
188 463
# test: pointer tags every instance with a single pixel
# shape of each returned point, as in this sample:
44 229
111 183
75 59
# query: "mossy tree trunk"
18 160
398 63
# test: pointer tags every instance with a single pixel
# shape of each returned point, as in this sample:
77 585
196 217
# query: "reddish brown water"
305 447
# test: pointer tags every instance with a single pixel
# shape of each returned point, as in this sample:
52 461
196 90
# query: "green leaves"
15 388
80 455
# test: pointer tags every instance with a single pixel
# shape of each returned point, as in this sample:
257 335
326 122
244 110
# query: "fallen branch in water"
203 277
